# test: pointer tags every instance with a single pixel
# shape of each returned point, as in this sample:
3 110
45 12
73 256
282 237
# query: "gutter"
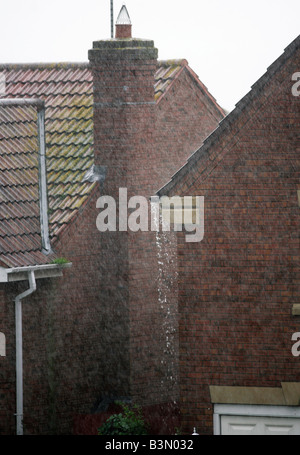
41 271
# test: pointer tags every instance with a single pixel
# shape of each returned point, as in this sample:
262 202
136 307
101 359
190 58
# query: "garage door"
246 425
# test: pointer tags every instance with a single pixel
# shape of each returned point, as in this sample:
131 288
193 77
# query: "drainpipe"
19 351
43 179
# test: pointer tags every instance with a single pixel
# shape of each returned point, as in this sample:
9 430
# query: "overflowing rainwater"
168 307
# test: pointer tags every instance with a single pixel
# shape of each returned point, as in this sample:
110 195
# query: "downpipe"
19 351
46 247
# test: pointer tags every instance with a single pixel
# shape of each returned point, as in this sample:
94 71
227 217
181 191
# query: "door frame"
251 411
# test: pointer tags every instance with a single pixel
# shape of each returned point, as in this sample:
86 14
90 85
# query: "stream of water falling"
168 307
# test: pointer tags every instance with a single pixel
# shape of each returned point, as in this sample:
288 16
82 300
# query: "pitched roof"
67 90
169 70
20 232
205 153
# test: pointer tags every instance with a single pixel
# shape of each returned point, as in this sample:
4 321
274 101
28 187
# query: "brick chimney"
124 142
124 106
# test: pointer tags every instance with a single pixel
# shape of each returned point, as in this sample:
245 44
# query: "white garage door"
246 425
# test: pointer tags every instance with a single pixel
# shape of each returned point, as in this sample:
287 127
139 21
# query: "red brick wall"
237 287
141 147
64 358
109 325
185 116
7 370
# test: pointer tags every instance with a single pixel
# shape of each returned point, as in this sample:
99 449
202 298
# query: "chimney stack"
124 105
123 24
125 116
124 144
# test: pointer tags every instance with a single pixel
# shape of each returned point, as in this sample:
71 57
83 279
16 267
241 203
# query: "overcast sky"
228 43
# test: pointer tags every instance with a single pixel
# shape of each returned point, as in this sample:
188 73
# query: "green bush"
128 422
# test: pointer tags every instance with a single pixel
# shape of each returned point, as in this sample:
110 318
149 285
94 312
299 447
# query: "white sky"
228 43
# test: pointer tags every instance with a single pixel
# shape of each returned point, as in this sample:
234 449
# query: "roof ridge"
172 62
44 65
84 65
270 71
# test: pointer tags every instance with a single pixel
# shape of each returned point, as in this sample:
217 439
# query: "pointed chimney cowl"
123 24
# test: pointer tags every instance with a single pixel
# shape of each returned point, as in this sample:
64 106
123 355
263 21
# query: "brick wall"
237 287
109 325
63 359
7 370
185 116
138 142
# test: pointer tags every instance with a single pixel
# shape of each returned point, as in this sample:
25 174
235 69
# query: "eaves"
8 275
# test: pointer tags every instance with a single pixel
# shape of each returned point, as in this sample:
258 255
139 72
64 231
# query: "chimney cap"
123 18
